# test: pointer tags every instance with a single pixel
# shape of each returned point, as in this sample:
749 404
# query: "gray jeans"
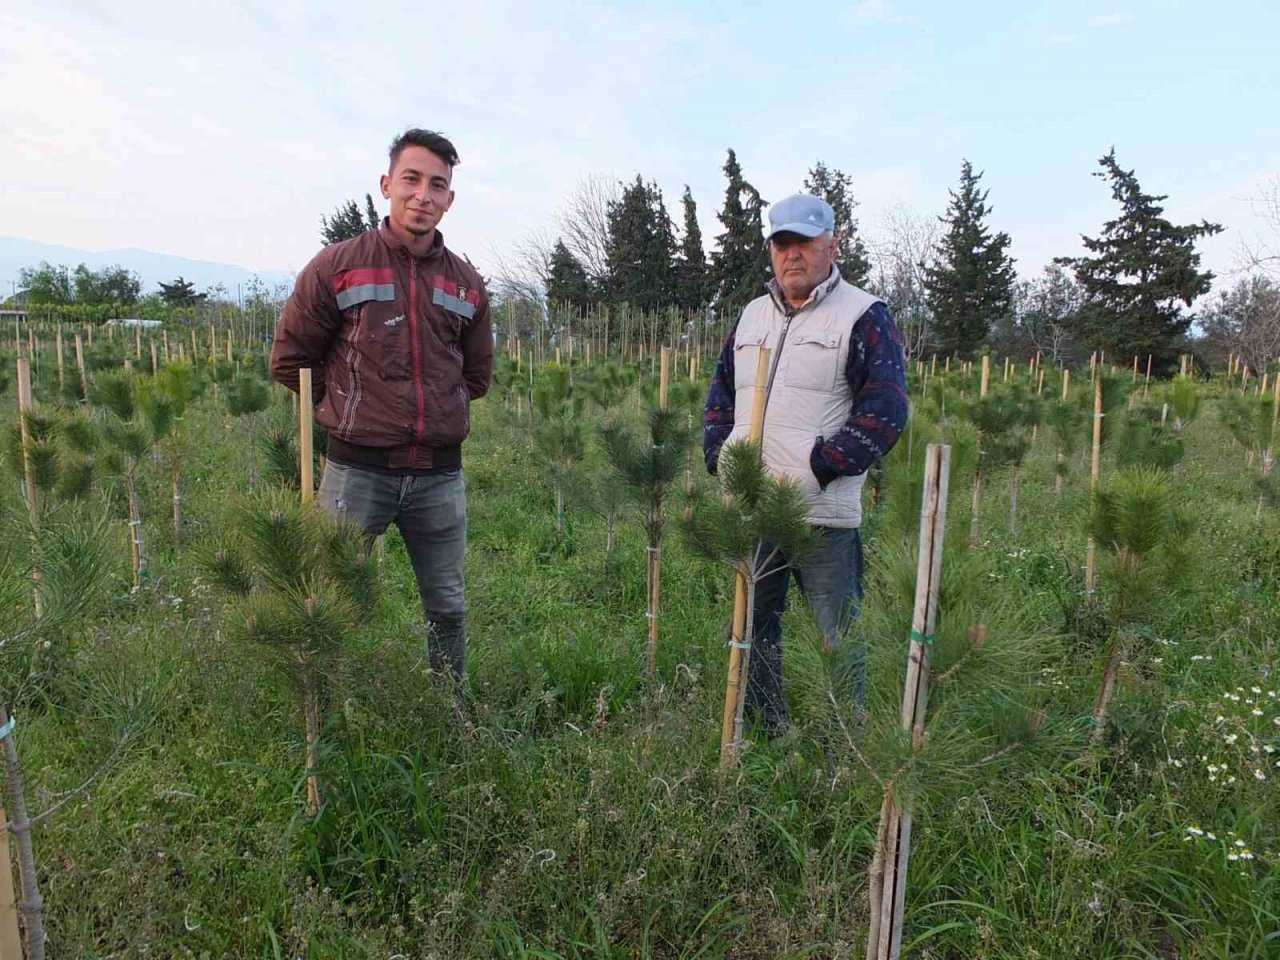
431 514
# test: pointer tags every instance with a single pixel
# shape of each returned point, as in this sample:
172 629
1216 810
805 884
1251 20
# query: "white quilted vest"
809 396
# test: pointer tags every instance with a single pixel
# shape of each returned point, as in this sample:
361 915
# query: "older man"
835 403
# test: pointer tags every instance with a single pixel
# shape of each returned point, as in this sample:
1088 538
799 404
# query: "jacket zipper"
420 419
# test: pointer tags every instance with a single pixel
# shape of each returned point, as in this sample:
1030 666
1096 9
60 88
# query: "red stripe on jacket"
364 275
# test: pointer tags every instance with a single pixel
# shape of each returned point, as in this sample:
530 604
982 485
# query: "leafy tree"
1045 307
836 188
47 284
347 221
971 283
567 280
740 265
1137 273
641 247
108 285
181 293
693 288
1245 320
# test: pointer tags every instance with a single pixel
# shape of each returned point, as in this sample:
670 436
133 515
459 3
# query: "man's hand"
818 464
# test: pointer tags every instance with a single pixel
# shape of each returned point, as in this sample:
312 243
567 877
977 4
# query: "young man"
836 403
395 329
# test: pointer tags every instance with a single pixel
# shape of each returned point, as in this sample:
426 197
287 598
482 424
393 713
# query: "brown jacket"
398 345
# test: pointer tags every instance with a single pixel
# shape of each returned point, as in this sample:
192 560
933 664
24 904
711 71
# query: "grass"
576 813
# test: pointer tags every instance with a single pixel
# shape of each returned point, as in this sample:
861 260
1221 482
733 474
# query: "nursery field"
573 805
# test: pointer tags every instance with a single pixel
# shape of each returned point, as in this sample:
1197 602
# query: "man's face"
801 263
418 188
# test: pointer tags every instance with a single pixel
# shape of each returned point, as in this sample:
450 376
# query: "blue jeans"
431 513
831 580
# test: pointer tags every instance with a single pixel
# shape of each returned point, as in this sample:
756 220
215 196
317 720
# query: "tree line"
951 284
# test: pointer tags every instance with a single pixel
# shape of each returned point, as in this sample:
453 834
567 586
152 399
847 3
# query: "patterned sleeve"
876 372
717 416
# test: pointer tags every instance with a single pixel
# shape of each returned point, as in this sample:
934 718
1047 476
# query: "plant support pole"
889 865
737 648
305 414
29 475
1095 475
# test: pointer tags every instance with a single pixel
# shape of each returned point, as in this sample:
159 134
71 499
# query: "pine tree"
641 247
181 293
567 280
971 284
371 212
1138 271
836 188
692 286
740 265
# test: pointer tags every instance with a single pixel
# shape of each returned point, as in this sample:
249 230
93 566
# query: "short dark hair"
437 143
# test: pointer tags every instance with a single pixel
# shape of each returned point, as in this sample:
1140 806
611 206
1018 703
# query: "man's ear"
384 184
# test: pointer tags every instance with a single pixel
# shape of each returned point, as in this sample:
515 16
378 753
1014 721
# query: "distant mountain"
17 253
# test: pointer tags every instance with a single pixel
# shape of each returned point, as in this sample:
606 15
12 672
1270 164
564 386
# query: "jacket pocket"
814 360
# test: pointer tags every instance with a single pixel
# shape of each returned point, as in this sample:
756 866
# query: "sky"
224 131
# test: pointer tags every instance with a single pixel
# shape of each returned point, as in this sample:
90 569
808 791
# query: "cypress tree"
836 188
347 221
741 262
692 286
567 279
971 283
1137 273
641 247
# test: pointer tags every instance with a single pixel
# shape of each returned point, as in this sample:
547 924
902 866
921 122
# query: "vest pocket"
746 357
814 360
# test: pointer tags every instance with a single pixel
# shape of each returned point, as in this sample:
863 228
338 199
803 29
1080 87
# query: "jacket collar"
396 245
818 294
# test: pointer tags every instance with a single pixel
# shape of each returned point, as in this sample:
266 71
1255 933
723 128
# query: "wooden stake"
84 379
57 339
155 361
986 375
137 343
305 414
738 661
893 846
1146 387
1066 382
1095 476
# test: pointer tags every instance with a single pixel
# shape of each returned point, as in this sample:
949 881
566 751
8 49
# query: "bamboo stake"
738 661
893 849
32 906
1146 387
10 939
25 403
1095 475
305 413
57 340
84 379
974 520
655 555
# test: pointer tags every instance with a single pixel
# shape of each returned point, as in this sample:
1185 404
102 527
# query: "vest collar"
817 295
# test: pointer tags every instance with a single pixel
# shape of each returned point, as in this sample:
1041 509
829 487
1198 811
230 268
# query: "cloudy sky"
223 131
